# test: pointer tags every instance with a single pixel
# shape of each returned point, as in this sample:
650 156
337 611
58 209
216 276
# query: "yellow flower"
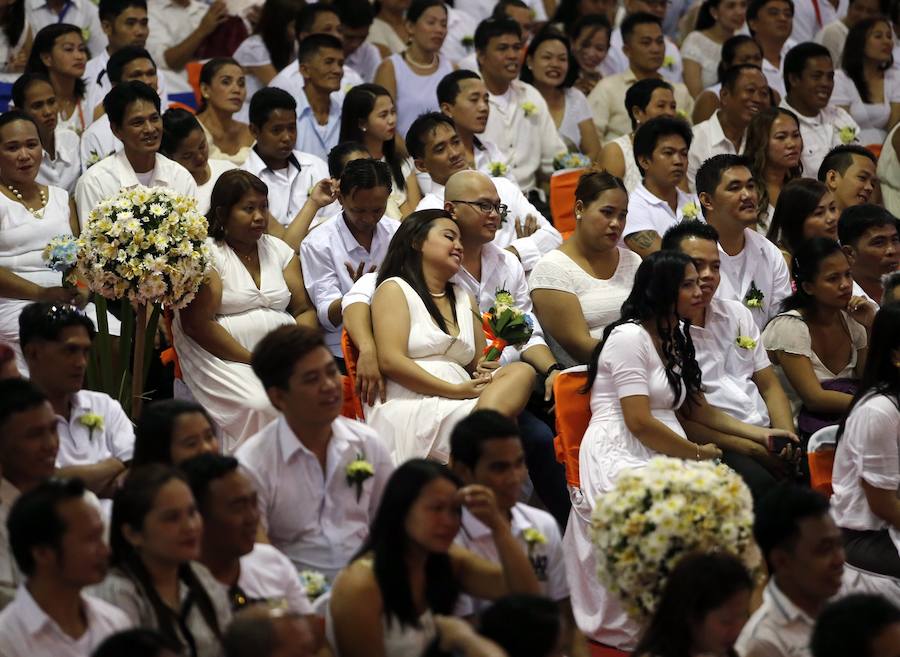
314 583
504 298
690 211
668 61
529 108
497 169
358 470
847 134
534 537
91 421
745 342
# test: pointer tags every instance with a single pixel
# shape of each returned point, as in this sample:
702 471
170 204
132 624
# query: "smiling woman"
224 89
60 53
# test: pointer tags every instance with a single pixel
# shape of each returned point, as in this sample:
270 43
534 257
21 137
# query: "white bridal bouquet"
657 514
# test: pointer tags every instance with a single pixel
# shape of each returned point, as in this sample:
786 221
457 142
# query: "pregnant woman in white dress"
255 286
430 343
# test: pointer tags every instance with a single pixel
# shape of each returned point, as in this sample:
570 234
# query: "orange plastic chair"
875 149
820 456
170 355
598 650
193 72
573 413
562 200
352 404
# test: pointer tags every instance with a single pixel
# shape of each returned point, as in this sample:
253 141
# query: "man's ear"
420 164
106 26
706 201
277 396
644 161
832 179
850 252
450 207
447 108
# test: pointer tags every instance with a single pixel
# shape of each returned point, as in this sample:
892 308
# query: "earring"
577 216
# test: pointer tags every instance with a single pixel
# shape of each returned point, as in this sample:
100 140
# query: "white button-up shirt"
546 558
314 517
288 187
114 173
81 13
322 256
779 628
267 575
79 445
821 133
98 142
709 140
728 368
27 631
807 22
531 248
616 62
775 74
521 126
170 24
63 171
760 263
649 212
364 61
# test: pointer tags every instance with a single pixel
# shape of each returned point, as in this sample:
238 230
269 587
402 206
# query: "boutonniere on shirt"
529 108
91 421
669 62
467 41
93 158
744 341
497 169
847 134
314 583
754 297
690 211
533 538
86 34
358 471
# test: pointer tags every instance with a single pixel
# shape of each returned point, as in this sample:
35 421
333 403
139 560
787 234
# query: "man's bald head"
260 631
464 184
465 196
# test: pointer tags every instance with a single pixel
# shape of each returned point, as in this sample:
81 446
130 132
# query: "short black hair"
115 67
755 6
649 134
633 20
700 230
419 130
796 58
500 8
45 321
355 13
641 93
311 45
307 15
274 357
709 175
778 514
857 219
267 100
202 470
522 624
337 156
124 94
17 114
141 642
448 87
492 28
473 431
18 396
23 83
110 10
33 519
731 74
849 625
840 158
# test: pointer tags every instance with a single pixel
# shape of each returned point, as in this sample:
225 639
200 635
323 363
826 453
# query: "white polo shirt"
709 140
27 631
289 187
98 142
821 133
81 13
323 254
314 517
62 171
79 445
649 212
114 173
546 557
267 575
779 628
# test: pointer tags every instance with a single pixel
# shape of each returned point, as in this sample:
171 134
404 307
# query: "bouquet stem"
137 367
103 347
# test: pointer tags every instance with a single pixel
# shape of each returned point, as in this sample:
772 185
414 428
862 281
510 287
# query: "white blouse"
577 110
871 117
701 49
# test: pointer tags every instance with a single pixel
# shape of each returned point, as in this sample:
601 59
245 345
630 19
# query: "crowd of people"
723 278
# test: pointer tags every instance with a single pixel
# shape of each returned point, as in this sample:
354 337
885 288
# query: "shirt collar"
256 164
718 135
782 607
303 106
653 199
128 176
79 406
290 444
808 120
350 242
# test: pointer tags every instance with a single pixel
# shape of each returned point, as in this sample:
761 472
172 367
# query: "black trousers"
873 551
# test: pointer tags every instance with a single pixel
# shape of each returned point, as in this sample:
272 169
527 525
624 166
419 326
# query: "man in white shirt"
770 23
644 46
356 18
519 121
849 172
810 16
804 552
661 150
60 165
339 251
617 61
753 269
868 235
298 463
250 572
133 110
56 534
81 13
28 445
744 93
96 438
738 377
809 81
437 150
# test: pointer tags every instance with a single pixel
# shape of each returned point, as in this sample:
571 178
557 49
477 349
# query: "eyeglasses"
486 207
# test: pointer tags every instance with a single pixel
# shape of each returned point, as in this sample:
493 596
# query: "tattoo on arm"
642 240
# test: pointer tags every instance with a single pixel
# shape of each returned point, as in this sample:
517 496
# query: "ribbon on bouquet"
496 344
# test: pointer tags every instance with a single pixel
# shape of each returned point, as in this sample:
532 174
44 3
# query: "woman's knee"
519 373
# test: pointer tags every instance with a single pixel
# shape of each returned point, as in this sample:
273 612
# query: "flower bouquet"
61 254
569 160
657 514
505 324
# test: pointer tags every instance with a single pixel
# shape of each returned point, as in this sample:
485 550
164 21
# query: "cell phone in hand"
778 443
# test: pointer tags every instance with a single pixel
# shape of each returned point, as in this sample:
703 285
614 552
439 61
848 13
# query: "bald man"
260 631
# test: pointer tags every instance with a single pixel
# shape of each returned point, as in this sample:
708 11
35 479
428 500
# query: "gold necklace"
415 64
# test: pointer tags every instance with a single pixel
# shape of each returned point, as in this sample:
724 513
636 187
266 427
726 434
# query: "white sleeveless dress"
416 94
633 176
419 426
227 389
23 237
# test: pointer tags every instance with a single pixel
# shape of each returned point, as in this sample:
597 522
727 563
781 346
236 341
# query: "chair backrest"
573 413
351 355
820 456
562 200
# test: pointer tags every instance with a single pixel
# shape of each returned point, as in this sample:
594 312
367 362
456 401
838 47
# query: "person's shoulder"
277 245
218 167
734 309
575 95
264 557
109 612
430 202
542 520
631 331
628 259
286 79
312 161
356 433
98 401
762 242
67 138
258 446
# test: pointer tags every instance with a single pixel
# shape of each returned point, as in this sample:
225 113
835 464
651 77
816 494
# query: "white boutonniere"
847 134
314 583
533 538
358 470
690 211
91 421
497 169
754 297
529 109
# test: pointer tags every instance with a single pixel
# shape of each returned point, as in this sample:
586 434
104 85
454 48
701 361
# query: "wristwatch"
552 368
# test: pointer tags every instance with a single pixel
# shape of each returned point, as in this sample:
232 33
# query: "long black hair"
853 59
404 259
699 584
799 198
274 20
805 267
130 507
654 298
153 434
358 104
43 44
13 22
881 375
388 542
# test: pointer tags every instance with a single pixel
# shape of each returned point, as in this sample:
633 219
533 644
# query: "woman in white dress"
717 21
866 85
223 89
644 100
59 52
430 344
551 69
255 286
15 40
590 43
412 77
385 605
578 289
184 141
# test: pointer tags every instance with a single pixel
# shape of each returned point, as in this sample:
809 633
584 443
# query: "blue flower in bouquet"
569 160
61 253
